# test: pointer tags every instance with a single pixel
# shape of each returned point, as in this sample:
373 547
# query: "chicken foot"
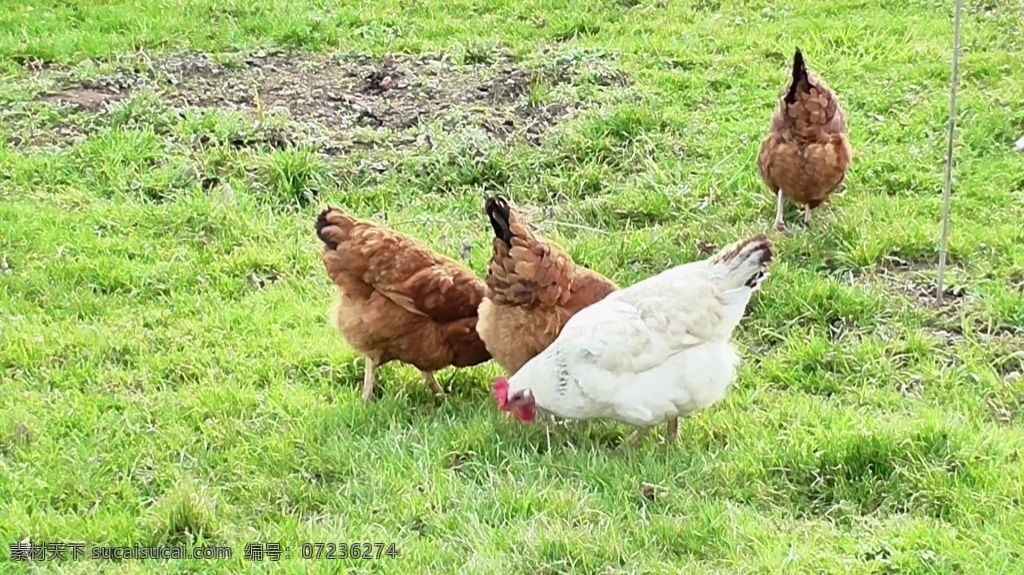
807 215
369 378
428 376
780 204
671 433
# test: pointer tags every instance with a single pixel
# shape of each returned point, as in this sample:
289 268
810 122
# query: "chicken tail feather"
500 215
799 76
742 268
745 263
335 228
332 227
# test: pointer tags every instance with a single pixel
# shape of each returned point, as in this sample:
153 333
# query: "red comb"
501 393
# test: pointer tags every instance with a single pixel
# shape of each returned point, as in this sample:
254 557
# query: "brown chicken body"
533 288
807 154
398 300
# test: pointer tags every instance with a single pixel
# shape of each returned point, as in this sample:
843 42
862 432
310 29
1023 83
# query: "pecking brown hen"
807 153
398 300
533 288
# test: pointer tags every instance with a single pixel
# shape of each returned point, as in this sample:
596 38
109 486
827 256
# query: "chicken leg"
428 376
807 215
369 378
672 431
780 203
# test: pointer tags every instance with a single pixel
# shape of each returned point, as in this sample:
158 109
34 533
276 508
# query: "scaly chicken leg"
780 204
369 378
672 431
807 216
428 376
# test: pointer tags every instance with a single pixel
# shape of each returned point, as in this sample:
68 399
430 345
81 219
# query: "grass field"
169 375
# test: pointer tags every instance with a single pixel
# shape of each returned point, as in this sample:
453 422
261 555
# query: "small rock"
1020 145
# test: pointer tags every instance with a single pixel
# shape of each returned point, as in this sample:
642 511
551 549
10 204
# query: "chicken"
398 300
649 353
806 155
533 288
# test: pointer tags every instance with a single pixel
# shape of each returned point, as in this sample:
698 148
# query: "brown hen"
399 300
533 288
807 154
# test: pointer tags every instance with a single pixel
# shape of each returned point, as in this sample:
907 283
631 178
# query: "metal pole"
948 192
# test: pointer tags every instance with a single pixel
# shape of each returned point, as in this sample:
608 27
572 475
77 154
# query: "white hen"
649 353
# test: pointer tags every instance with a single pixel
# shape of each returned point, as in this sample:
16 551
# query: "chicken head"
521 403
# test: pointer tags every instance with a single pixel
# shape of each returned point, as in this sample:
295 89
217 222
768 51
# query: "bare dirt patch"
337 103
87 99
394 94
921 288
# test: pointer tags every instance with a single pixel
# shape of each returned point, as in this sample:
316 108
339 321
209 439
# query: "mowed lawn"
168 375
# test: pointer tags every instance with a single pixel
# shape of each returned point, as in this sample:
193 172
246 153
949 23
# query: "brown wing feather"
526 270
533 288
398 267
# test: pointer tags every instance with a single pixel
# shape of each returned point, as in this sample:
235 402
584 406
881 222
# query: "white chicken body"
654 351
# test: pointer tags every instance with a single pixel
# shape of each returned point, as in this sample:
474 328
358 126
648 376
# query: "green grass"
169 374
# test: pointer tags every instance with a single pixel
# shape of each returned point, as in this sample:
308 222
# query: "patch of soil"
919 287
84 99
82 107
896 262
272 137
346 99
396 93
84 103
